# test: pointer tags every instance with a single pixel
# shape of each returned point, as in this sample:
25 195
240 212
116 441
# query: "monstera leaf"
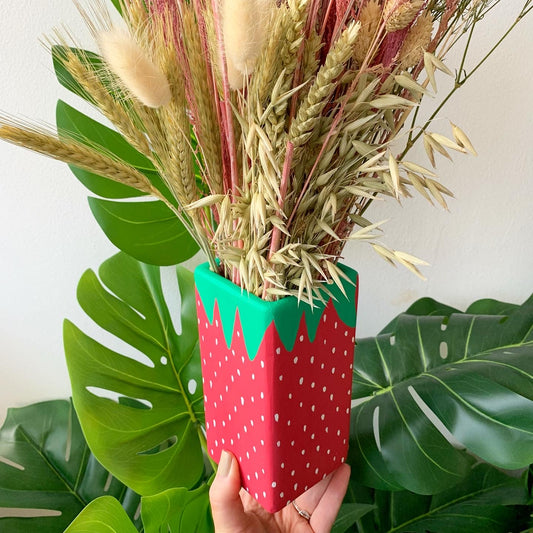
146 230
486 500
47 473
141 417
178 511
430 391
104 515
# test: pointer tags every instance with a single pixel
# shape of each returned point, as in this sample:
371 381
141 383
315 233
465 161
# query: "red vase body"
277 384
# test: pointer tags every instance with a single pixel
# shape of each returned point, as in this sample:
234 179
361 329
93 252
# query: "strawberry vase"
277 382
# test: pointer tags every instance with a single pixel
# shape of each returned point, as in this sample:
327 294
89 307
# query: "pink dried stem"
227 117
227 113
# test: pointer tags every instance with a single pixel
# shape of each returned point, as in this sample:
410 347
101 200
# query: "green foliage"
104 515
486 500
178 511
47 470
153 443
146 230
433 390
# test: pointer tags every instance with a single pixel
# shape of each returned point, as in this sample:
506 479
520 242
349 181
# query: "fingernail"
224 466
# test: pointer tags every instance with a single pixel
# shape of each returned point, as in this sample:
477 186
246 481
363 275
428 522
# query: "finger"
226 504
310 498
326 511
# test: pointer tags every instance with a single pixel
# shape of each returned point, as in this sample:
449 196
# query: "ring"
301 512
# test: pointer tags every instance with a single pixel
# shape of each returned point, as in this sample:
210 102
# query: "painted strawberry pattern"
284 414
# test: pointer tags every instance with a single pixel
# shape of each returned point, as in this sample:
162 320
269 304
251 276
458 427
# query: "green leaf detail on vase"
47 473
141 412
256 315
432 390
104 515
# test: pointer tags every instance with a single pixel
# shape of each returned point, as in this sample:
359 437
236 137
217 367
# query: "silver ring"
301 512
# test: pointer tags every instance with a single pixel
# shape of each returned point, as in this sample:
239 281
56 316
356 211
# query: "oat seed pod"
398 15
132 65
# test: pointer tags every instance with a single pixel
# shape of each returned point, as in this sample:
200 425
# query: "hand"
235 511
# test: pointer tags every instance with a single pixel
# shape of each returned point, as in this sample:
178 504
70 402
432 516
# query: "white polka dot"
210 384
214 423
164 360
292 443
238 372
281 494
293 472
312 359
328 452
216 342
296 486
278 444
324 318
295 360
252 398
242 400
216 443
336 324
256 475
316 470
262 364
301 404
274 484
313 407
282 465
278 351
305 427
281 377
245 429
333 350
276 417
254 449
262 418
253 377
262 442
238 333
326 429
288 422
232 379
322 416
303 452
343 375
318 448
264 494
331 397
324 389
313 385
339 432
313 436
192 386
301 380
307 465
262 395
256 496
343 459
290 395
333 370
322 366
301 338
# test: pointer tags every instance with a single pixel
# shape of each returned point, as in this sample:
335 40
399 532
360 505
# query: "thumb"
226 504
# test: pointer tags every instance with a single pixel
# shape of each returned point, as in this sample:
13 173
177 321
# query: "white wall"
482 247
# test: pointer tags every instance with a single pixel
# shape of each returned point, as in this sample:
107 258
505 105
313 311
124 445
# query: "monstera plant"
442 425
441 441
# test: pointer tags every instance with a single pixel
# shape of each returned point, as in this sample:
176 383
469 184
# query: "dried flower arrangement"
270 122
